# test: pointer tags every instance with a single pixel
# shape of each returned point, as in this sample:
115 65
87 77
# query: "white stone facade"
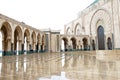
104 13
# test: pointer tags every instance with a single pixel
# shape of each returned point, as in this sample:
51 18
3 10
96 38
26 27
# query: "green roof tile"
93 3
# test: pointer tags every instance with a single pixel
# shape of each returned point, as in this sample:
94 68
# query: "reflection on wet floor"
91 65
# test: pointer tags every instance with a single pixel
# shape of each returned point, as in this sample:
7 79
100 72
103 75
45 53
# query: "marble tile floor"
84 65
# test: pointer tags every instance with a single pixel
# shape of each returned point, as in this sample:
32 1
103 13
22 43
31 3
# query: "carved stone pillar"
34 47
20 46
28 42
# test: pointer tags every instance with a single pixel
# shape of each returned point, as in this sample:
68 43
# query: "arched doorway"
0 44
73 43
17 40
109 43
100 33
38 42
33 37
93 44
65 42
6 39
43 44
85 44
26 41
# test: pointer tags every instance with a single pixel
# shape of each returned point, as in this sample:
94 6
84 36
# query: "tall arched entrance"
85 44
100 33
33 38
73 43
6 39
93 44
26 41
43 43
17 40
65 42
38 43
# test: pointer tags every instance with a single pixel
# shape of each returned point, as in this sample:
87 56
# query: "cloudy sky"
42 14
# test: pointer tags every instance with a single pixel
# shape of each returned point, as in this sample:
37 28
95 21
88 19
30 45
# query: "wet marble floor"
84 65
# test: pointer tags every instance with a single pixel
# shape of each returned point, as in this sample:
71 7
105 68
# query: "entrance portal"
85 44
100 33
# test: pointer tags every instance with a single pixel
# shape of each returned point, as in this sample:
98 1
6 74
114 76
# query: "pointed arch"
109 43
101 42
68 31
38 38
25 46
73 39
85 43
77 29
33 38
65 40
43 43
103 15
17 40
6 31
38 42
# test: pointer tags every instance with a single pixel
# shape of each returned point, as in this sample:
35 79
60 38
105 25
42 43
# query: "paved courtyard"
84 65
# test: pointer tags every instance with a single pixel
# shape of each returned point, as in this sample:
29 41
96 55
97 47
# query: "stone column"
28 42
9 46
34 47
19 46
96 39
39 47
116 23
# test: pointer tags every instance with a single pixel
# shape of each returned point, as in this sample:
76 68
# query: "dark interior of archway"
65 43
85 44
109 44
42 43
4 34
25 36
38 42
100 32
15 39
93 44
74 43
32 41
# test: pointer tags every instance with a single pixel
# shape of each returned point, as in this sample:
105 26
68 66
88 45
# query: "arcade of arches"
75 43
20 39
96 28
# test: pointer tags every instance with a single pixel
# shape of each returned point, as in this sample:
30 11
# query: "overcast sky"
42 14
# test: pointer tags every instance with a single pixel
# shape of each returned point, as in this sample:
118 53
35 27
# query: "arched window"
77 29
69 31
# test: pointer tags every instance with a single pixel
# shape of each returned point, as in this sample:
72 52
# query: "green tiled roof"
93 3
